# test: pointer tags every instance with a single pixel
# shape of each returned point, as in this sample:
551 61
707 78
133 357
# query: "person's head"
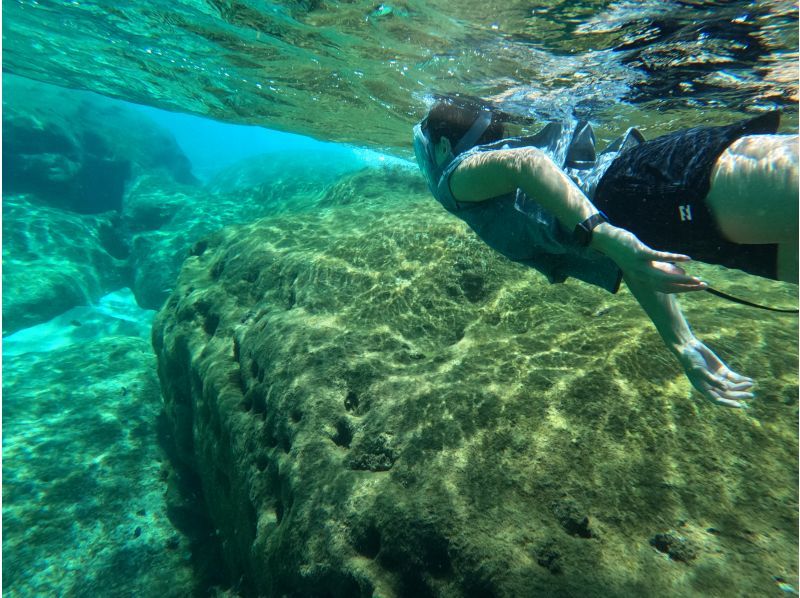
449 121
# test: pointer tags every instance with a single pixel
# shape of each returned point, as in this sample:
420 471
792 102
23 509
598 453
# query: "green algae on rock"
377 404
161 221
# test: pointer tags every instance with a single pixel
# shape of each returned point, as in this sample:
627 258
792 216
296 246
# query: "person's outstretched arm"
707 373
491 174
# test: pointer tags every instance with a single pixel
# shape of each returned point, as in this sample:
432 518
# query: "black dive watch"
583 230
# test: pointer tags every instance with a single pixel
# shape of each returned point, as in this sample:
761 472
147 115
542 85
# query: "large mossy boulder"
78 151
378 405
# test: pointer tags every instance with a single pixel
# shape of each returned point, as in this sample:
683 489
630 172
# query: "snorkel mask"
423 150
426 156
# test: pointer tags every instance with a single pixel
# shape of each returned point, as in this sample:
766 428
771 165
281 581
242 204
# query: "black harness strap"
748 303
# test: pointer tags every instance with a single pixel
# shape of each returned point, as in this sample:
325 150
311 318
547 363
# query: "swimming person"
726 195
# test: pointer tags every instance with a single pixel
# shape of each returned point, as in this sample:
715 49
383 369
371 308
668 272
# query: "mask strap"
477 129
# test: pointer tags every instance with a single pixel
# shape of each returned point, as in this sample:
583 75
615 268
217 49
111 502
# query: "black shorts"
657 191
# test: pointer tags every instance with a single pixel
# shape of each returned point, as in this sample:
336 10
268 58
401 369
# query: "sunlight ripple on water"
358 62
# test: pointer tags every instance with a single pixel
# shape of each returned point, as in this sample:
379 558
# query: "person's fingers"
671 272
667 267
712 381
684 279
664 256
720 399
729 403
726 386
739 379
722 371
739 386
737 395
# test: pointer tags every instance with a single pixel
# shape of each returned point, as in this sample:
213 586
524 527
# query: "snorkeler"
693 190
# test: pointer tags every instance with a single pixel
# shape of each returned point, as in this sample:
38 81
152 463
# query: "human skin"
649 274
754 195
491 174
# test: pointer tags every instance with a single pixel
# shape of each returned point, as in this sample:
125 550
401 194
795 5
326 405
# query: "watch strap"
583 230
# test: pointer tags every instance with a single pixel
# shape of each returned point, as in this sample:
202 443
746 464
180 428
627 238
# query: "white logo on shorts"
685 212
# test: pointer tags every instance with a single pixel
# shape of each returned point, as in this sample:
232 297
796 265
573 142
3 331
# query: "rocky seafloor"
84 480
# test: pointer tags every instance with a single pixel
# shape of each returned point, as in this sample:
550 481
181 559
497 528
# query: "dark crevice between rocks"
418 554
258 401
262 462
367 541
188 513
549 558
254 370
473 286
237 352
198 248
285 442
344 433
270 439
572 519
237 379
112 239
374 452
677 547
210 324
351 401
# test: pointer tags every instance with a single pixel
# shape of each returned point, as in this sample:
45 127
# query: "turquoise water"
261 361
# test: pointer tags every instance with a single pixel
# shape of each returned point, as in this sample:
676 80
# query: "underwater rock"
84 512
288 178
54 260
161 220
152 201
677 547
363 423
78 151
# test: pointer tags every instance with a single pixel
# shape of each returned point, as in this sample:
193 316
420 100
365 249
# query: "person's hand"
709 375
642 264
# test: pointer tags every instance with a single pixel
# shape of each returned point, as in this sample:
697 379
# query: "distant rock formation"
162 221
68 160
78 151
375 404
54 260
97 197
